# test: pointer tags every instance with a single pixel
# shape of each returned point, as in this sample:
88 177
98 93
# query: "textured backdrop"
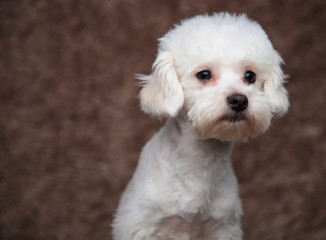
71 129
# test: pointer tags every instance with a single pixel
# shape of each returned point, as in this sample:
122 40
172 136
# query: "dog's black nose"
237 102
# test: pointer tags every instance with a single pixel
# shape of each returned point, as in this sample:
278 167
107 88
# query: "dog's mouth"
237 117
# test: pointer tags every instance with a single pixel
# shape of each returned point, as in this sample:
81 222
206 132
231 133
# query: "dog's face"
222 73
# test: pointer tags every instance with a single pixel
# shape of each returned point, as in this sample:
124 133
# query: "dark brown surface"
71 129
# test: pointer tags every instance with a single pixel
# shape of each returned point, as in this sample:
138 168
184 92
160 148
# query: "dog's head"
222 73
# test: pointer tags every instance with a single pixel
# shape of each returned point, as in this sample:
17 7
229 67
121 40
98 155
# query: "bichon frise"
218 80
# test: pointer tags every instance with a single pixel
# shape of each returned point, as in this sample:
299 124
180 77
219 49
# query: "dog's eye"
204 75
250 77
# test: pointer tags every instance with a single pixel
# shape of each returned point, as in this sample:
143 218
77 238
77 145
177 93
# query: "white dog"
218 80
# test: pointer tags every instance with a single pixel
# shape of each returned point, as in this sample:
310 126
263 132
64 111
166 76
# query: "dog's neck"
188 133
196 153
196 168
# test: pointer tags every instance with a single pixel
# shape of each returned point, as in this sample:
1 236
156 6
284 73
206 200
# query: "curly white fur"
184 186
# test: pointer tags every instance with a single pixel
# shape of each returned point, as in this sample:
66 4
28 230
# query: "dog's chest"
199 226
193 177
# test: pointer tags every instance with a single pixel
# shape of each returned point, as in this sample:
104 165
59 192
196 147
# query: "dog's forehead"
225 37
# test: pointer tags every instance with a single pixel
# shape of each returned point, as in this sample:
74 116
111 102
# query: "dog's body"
190 189
216 89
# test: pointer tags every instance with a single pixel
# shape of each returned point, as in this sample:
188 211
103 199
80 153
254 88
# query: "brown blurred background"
71 129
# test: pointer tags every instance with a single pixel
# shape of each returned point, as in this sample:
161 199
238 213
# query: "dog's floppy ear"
162 94
275 90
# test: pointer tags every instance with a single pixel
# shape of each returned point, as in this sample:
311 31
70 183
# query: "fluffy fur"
184 186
